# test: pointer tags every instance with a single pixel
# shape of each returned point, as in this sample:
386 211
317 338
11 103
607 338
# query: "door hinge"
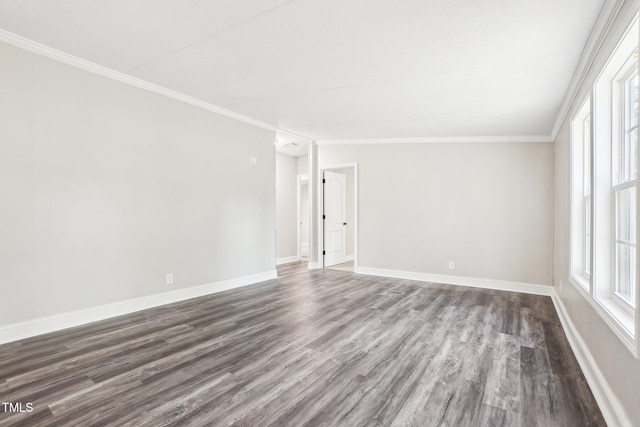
324 180
324 252
324 217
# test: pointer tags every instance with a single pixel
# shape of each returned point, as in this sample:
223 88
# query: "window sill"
582 283
619 315
618 319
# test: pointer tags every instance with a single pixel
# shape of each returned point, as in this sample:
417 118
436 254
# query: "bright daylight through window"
625 191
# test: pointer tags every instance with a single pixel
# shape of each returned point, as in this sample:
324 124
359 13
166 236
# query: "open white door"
334 219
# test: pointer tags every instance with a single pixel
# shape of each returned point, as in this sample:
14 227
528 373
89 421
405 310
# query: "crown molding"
439 140
74 61
577 80
604 23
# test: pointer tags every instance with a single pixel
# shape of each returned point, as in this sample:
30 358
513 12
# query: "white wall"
303 165
105 188
488 207
286 205
620 369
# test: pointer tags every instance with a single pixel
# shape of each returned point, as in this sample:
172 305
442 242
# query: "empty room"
319 213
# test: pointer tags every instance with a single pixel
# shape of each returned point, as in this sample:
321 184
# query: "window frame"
588 199
620 180
609 118
616 296
581 143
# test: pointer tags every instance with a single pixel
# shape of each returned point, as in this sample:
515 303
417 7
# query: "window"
604 175
586 204
625 188
581 201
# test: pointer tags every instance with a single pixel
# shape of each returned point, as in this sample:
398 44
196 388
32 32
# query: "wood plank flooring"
318 348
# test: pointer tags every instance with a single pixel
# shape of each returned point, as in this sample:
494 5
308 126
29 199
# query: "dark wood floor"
311 348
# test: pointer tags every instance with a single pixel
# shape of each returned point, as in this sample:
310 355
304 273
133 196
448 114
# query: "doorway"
303 218
338 217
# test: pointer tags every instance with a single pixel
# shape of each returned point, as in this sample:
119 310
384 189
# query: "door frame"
320 240
299 216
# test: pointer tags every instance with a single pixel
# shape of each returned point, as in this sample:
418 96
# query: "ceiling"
291 145
337 69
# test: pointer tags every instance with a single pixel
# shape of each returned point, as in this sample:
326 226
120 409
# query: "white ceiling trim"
440 140
607 16
57 55
605 21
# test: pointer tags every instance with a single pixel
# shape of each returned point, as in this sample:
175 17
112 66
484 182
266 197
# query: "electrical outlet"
452 265
169 278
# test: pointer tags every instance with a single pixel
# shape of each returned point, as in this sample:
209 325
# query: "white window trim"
629 308
578 276
624 323
619 135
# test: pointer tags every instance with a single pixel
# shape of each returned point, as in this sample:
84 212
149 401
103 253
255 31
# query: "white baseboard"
612 411
314 265
501 285
350 257
31 328
287 259
610 406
